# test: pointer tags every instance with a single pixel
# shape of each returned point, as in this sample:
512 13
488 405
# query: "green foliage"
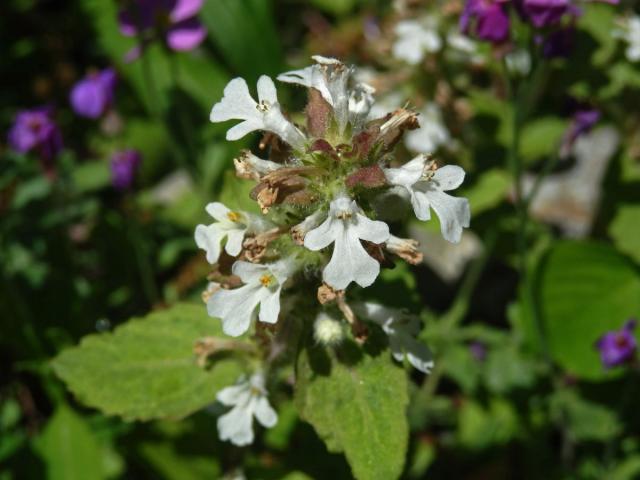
541 138
585 289
70 449
625 230
481 427
147 368
356 403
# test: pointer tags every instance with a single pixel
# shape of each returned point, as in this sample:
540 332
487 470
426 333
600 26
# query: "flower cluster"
321 219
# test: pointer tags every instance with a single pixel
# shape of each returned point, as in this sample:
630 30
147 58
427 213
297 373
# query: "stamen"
263 106
267 280
234 216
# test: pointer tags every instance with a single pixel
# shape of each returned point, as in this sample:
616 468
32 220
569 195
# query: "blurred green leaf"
146 368
235 193
481 427
279 436
91 176
457 363
245 33
541 138
171 464
586 420
506 368
625 230
357 404
627 469
31 190
585 289
489 191
69 448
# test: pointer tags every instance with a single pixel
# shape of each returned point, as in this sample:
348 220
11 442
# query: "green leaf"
171 464
489 191
586 420
625 230
91 176
507 368
69 448
244 31
541 137
483 427
585 289
335 7
33 189
146 368
357 404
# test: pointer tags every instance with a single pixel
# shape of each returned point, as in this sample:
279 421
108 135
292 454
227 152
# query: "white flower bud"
327 331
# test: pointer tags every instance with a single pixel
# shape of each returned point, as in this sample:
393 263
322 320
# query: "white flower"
631 34
415 38
432 132
262 285
299 231
229 224
248 399
331 78
237 104
345 226
426 186
401 329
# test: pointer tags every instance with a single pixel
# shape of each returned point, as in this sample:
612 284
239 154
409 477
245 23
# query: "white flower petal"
267 90
208 239
322 236
350 263
371 230
234 395
264 413
218 211
236 308
270 307
248 272
236 103
421 205
236 426
240 130
448 177
234 242
453 212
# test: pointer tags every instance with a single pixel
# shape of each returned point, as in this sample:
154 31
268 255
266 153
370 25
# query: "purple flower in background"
542 13
617 347
583 121
35 130
124 166
558 44
93 95
175 19
478 351
487 19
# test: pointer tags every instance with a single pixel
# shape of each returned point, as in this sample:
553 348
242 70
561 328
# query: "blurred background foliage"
509 397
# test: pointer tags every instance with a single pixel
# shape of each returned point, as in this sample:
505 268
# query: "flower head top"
176 20
92 96
331 78
237 104
618 347
416 38
35 130
426 185
401 329
248 399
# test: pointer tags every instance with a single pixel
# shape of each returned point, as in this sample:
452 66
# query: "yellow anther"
267 280
234 216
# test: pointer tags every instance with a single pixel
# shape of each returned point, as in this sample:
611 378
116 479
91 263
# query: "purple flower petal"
185 9
186 35
35 130
617 347
124 166
92 95
487 19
